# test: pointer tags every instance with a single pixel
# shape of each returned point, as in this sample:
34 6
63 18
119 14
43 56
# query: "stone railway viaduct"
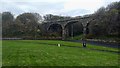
69 22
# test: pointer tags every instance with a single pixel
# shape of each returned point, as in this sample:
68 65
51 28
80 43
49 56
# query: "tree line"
106 21
30 25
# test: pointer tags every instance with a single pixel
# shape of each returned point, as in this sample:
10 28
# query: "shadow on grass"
60 67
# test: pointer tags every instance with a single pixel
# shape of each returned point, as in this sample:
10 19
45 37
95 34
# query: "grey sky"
56 7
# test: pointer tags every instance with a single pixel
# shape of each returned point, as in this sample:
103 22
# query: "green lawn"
47 53
0 53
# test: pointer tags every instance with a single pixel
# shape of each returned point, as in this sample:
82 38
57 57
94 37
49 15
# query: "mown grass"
42 53
0 53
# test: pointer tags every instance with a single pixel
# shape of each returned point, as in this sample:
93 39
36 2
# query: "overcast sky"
56 7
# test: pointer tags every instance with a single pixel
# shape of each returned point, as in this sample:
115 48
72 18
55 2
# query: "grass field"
0 53
47 53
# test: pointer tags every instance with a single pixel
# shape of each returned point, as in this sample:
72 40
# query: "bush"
90 36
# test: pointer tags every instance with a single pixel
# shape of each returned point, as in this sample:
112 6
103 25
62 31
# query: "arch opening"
55 31
70 28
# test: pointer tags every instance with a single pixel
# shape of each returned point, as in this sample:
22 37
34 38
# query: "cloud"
49 1
83 4
57 7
